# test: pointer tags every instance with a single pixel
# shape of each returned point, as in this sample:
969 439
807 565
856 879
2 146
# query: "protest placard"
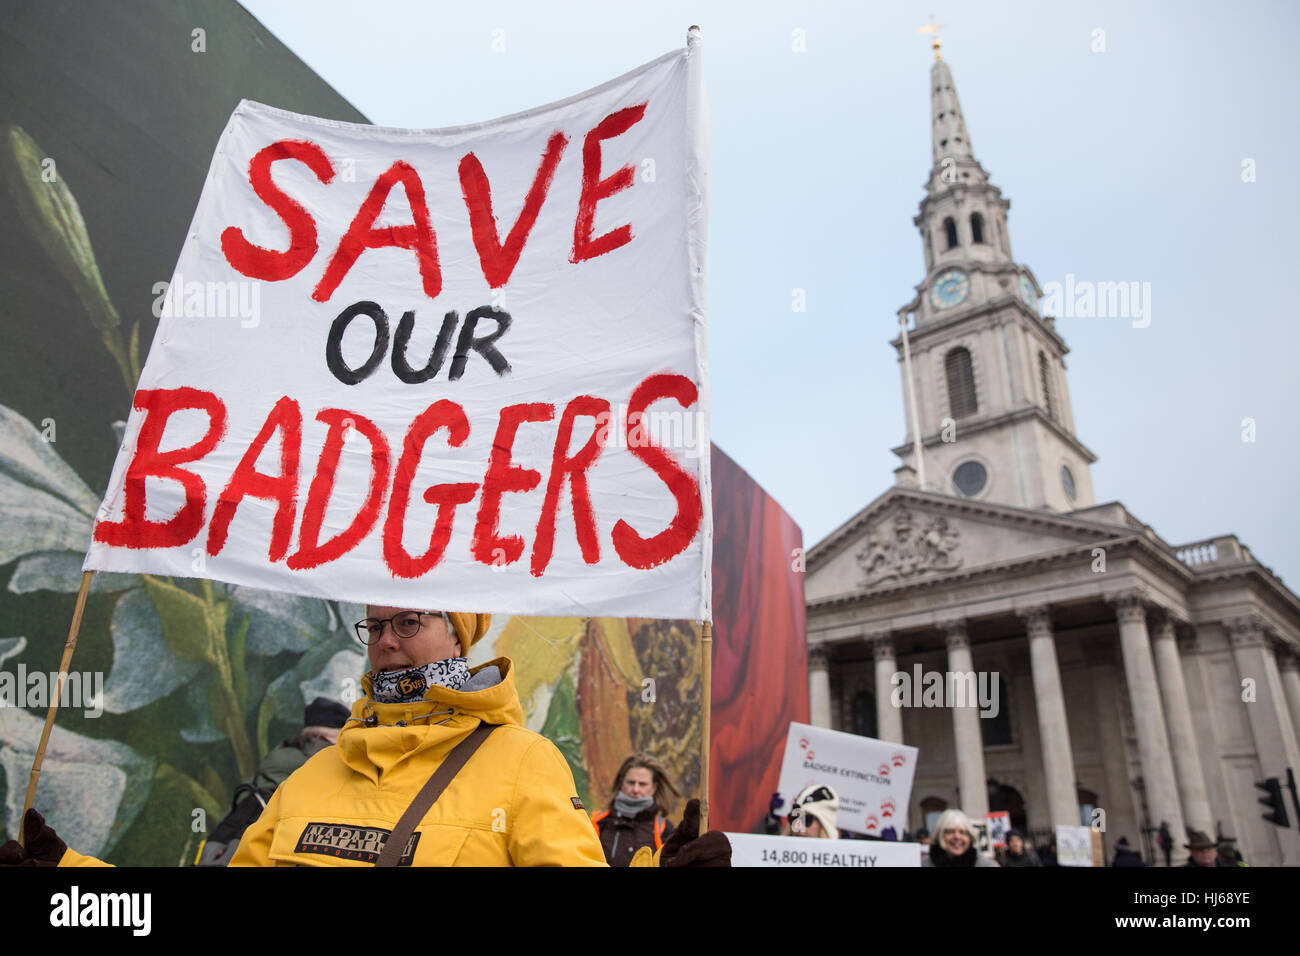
1073 845
999 822
749 849
873 778
461 368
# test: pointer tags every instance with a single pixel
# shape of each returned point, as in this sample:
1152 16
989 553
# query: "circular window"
970 478
1067 481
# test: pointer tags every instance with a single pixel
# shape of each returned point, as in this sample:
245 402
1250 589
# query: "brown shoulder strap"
429 793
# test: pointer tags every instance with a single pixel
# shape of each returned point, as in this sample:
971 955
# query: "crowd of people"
955 841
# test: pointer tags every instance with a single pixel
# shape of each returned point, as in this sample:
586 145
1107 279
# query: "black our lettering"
466 342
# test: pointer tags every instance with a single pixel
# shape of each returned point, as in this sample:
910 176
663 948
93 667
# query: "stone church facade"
1148 681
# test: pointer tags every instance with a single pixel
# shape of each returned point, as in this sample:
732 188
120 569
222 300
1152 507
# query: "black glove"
43 846
685 846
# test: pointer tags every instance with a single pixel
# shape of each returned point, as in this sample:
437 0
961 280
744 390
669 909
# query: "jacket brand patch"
577 804
351 843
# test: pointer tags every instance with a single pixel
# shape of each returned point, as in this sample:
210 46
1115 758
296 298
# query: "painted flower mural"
209 675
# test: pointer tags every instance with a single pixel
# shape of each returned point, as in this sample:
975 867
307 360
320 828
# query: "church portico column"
1270 723
1148 717
819 687
1288 666
972 781
889 719
1053 729
1182 735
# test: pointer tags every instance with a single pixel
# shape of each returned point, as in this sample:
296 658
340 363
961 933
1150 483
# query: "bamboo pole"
68 648
706 675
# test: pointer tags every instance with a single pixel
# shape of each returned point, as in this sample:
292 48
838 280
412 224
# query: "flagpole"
68 648
911 403
706 675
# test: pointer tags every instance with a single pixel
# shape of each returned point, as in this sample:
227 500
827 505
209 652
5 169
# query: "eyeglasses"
406 624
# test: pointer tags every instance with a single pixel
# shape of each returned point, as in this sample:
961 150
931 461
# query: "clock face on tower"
950 289
1027 292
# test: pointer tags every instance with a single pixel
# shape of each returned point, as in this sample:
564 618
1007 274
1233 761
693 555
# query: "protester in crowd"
1165 840
1125 855
1047 853
815 812
637 814
511 802
1204 850
322 720
1229 855
1017 853
923 836
954 843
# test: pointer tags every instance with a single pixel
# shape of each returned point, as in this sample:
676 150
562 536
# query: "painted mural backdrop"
185 684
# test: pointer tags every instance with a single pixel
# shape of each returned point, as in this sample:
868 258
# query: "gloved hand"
774 804
685 846
42 845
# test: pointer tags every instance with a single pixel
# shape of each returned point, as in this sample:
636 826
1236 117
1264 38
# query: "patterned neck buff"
393 687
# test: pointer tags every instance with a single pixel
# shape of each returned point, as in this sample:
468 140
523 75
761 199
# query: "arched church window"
1045 379
950 230
961 382
976 227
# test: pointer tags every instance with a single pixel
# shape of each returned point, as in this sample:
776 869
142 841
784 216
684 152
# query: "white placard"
999 822
749 849
462 368
1073 845
873 778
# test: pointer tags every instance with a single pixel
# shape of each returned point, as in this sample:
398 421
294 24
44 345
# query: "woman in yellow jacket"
513 803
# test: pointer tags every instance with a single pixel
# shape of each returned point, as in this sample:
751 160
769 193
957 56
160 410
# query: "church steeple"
992 406
950 136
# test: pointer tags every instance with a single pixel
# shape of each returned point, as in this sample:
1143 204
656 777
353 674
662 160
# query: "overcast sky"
1124 164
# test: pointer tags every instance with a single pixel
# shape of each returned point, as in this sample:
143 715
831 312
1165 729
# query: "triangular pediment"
908 536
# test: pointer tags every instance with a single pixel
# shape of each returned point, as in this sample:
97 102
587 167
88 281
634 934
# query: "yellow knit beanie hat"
469 628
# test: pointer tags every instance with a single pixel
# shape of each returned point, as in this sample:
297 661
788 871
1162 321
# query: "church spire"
949 127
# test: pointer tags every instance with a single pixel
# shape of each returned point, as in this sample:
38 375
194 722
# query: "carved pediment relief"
908 544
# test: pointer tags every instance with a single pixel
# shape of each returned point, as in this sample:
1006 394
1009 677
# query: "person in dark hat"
1229 855
1017 852
1125 855
1204 851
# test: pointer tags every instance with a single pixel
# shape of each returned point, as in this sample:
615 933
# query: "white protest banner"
462 369
872 778
1073 845
749 849
999 822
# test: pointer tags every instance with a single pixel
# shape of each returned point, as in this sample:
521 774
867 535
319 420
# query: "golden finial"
934 29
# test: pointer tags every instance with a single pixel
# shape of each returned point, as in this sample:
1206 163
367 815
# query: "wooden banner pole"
706 675
68 648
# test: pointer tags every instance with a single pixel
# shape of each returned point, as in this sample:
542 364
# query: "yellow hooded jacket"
513 803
